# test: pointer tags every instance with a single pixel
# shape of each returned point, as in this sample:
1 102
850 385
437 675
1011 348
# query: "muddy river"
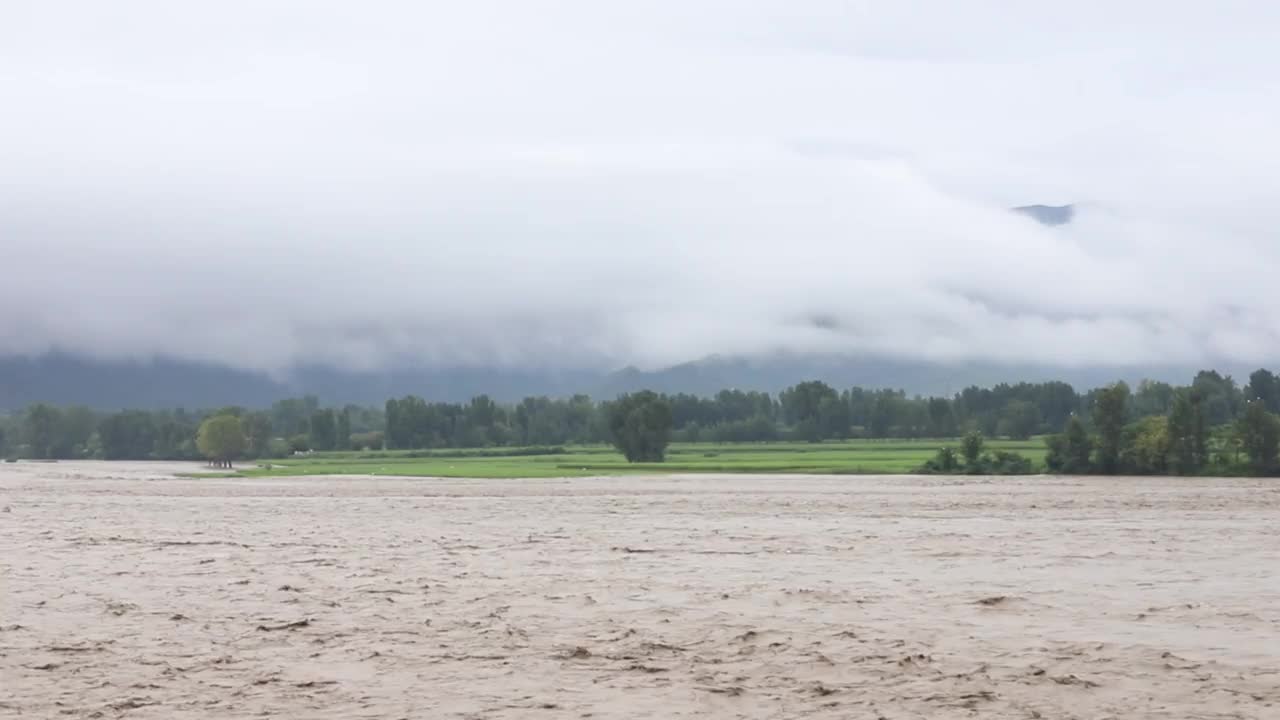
127 592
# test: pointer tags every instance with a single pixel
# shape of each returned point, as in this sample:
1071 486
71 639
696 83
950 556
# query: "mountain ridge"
63 379
1050 215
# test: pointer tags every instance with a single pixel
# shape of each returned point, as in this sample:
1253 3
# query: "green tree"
411 423
1020 419
1146 450
78 425
343 434
1151 398
127 435
640 424
833 417
293 415
221 439
1258 432
1109 420
1188 435
323 430
1069 452
1057 402
944 461
396 433
942 419
886 412
1004 462
41 426
816 411
971 448
175 436
257 430
1265 386
1221 401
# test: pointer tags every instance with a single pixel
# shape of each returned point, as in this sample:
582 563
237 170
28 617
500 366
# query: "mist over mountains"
68 378
240 201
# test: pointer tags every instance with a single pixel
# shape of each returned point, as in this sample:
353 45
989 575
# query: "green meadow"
826 458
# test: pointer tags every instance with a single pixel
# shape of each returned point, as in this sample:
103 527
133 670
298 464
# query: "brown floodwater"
127 592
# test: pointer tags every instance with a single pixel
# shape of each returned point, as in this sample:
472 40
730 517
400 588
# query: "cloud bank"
574 184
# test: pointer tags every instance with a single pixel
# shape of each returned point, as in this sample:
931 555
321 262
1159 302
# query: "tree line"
1193 436
43 431
1153 427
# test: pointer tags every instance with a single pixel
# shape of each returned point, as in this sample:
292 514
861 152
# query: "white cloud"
569 183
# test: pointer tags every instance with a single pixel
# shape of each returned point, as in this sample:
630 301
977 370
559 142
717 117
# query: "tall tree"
41 426
971 448
1152 398
257 430
1265 386
640 424
1057 401
1020 419
1069 453
885 412
1258 433
833 417
342 438
78 424
1146 450
1184 429
1221 401
816 411
293 415
942 419
411 423
221 439
1109 421
483 422
394 434
175 436
127 435
324 430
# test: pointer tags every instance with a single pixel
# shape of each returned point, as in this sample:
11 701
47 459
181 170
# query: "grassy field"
849 457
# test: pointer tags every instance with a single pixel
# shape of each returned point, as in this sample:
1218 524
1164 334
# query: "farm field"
829 458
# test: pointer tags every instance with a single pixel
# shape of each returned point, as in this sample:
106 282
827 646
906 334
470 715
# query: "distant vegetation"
1212 425
975 458
844 457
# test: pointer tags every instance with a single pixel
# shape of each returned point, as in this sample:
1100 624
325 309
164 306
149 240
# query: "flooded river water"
130 593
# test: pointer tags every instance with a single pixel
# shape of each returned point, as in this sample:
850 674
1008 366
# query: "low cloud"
555 185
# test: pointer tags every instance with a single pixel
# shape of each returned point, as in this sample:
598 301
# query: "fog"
580 184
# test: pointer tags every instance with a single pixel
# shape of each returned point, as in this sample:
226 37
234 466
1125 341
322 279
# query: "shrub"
1003 462
944 462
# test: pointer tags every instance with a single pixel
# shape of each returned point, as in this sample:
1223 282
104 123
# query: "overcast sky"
260 183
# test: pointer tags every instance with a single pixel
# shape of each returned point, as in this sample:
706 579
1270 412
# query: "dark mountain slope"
1048 214
65 380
